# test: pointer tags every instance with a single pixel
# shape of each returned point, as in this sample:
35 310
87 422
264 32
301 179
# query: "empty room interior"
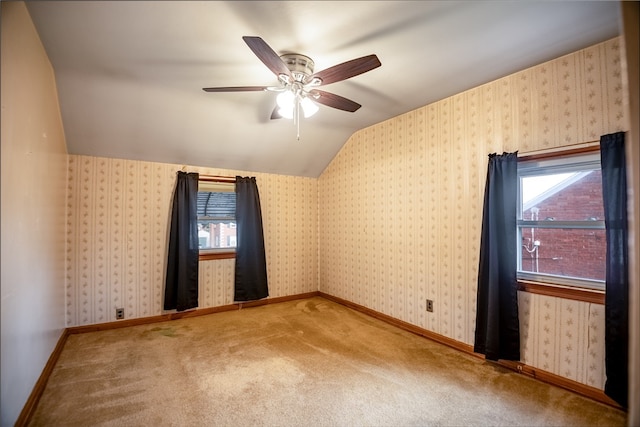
320 213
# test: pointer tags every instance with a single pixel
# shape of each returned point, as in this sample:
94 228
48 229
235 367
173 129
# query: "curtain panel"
251 265
181 287
497 333
614 192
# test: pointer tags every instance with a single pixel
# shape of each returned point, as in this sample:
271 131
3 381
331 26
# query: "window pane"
216 219
215 234
573 196
216 204
576 253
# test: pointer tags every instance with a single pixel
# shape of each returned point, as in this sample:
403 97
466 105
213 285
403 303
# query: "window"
560 221
216 217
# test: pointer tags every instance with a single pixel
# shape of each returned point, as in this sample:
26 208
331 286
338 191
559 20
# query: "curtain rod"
217 178
576 146
212 178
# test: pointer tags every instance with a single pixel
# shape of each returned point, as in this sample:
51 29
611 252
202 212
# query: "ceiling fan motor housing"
301 66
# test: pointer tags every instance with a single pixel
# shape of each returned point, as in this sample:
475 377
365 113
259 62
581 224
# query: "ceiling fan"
299 83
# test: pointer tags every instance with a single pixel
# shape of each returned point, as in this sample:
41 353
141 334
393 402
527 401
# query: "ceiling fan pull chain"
296 117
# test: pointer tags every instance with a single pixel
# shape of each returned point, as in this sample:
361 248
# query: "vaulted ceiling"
130 74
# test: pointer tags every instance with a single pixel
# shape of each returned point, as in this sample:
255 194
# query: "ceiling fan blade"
334 101
347 69
264 52
275 114
236 89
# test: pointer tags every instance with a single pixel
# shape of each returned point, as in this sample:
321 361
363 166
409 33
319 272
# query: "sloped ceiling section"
130 74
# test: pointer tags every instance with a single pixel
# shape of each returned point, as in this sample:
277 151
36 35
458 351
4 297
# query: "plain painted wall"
631 69
34 158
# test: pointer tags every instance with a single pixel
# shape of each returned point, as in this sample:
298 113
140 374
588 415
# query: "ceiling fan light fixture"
287 101
309 107
286 113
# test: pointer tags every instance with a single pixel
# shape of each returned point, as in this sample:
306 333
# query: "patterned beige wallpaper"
117 227
563 337
400 206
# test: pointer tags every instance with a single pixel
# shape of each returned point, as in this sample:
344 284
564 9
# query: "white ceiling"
130 74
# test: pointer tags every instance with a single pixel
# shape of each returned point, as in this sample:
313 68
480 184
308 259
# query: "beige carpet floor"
309 362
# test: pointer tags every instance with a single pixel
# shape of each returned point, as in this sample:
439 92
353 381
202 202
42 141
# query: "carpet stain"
265 375
168 331
307 306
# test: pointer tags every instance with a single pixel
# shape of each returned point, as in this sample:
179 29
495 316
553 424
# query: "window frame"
585 290
215 253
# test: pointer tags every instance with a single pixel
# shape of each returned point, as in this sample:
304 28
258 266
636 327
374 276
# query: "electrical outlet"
430 305
119 313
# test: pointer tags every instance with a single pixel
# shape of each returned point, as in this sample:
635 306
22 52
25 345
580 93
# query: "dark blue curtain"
614 192
181 288
251 265
497 334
